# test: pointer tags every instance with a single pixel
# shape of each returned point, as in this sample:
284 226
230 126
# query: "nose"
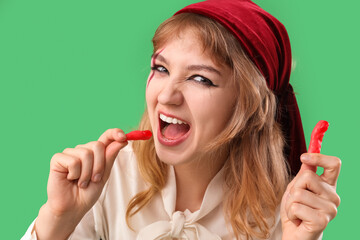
171 94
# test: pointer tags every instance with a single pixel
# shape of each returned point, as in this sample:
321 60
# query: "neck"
192 180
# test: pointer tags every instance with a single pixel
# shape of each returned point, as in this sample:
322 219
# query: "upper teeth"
171 120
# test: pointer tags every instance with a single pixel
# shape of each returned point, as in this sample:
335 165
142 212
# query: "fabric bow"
181 225
177 228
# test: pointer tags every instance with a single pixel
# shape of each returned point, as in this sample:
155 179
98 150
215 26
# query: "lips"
172 130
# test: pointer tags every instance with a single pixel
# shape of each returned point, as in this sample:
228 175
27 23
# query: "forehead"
186 43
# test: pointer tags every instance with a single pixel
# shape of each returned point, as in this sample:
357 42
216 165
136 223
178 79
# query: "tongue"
174 131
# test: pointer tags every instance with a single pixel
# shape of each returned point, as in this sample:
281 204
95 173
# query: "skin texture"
177 89
173 91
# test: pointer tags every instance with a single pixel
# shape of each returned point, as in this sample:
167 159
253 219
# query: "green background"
69 70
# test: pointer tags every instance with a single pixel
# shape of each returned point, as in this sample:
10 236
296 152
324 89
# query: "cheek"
152 92
150 108
151 75
149 96
214 113
153 89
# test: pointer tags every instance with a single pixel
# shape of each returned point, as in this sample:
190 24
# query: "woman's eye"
202 80
159 68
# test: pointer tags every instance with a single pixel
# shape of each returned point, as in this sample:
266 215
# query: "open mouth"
173 129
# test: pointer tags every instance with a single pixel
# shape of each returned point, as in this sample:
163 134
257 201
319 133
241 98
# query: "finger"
315 220
287 192
311 200
330 164
305 166
86 157
110 135
292 182
98 149
308 180
66 164
110 153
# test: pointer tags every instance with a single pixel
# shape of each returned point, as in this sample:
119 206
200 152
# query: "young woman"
225 129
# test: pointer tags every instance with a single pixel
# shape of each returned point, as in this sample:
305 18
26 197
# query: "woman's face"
189 99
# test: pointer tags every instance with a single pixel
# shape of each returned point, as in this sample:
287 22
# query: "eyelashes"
202 80
159 68
196 77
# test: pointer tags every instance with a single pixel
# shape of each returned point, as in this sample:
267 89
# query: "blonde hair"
256 173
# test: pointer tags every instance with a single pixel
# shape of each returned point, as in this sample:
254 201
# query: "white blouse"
158 220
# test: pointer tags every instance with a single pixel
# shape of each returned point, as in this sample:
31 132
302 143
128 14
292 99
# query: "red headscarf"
266 42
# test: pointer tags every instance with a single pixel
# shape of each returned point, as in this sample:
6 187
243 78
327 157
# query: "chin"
172 157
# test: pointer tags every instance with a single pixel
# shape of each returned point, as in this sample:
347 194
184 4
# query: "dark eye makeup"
202 80
197 78
159 68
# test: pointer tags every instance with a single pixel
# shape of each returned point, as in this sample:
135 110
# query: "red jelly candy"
139 135
317 136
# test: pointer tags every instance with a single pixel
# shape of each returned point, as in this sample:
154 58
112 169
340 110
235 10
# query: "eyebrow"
204 68
159 57
200 67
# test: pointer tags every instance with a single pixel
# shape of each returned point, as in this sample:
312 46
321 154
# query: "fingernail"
84 184
97 177
305 158
122 137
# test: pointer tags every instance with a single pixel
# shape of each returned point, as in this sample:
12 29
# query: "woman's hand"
310 201
77 177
